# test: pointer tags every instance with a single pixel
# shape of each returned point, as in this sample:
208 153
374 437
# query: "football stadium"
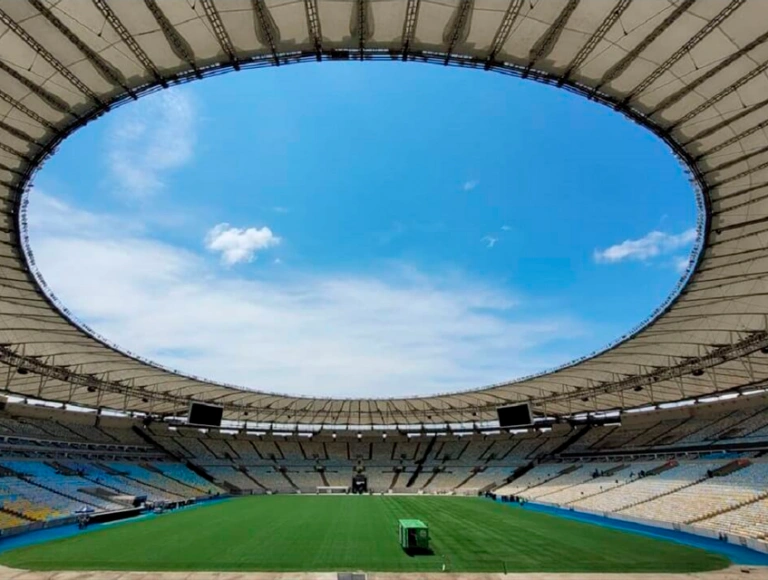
648 457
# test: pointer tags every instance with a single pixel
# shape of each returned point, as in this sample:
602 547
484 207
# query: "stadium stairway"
566 444
186 461
128 476
153 469
235 455
566 471
432 476
107 469
288 479
324 478
731 467
395 477
57 492
100 492
579 482
250 476
17 514
655 497
662 468
486 456
601 491
420 462
101 484
466 479
55 465
731 508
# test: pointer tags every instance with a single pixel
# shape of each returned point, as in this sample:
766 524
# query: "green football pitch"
330 533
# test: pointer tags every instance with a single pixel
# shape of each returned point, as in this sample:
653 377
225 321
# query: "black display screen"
515 416
208 415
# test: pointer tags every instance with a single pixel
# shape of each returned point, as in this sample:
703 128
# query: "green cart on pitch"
414 536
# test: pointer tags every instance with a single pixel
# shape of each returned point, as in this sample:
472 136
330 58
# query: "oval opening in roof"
359 230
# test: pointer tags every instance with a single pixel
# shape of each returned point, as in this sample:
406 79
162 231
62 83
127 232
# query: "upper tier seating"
291 452
246 452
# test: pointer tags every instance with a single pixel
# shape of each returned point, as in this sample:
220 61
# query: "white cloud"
506 228
280 209
150 138
651 245
490 241
237 244
470 185
400 332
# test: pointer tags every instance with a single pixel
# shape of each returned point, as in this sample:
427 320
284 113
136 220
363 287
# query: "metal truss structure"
691 71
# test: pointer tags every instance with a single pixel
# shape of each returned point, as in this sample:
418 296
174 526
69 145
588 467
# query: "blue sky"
374 230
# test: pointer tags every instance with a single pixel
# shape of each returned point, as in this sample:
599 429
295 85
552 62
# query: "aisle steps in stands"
250 476
755 499
210 448
17 514
662 468
615 469
585 476
466 479
708 425
187 450
54 436
566 471
324 478
595 445
574 437
152 468
420 462
61 468
666 493
103 494
126 475
731 467
57 492
93 480
483 456
518 473
186 461
666 438
432 476
601 491
288 479
395 477
235 454
5 472
107 469
303 453
459 455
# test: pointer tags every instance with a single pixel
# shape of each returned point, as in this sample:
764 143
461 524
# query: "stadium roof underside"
693 72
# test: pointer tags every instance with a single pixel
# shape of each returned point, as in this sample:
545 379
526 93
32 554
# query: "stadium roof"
693 72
